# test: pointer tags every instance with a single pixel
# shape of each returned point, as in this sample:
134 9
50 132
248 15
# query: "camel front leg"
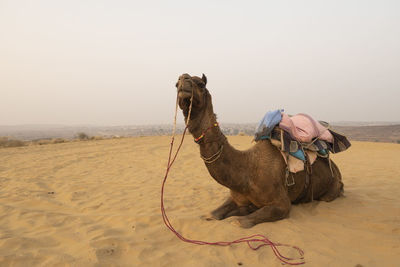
269 213
242 211
221 212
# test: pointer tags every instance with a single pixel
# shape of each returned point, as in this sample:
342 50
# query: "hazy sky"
116 62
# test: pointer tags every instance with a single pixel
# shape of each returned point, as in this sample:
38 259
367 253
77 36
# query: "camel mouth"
184 94
184 99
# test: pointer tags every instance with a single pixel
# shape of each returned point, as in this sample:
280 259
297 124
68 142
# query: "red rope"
249 240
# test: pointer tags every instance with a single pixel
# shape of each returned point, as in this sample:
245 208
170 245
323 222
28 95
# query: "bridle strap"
200 138
214 140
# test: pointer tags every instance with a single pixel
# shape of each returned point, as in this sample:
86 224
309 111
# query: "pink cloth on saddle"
303 128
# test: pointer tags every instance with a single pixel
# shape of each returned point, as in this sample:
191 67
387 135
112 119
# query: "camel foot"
242 222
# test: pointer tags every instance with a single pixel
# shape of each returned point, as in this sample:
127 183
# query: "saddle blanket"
304 129
267 124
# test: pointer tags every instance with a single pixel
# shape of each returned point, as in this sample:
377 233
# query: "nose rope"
251 241
190 108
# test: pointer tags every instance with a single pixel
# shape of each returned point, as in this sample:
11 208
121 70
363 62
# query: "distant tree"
82 136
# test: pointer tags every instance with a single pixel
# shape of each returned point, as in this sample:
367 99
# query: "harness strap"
330 166
305 189
308 182
213 140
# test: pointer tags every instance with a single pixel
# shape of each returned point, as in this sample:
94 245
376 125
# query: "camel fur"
256 177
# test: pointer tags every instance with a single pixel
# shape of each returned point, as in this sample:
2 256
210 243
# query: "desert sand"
97 203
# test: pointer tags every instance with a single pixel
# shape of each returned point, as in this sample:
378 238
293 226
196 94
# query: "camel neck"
224 162
201 123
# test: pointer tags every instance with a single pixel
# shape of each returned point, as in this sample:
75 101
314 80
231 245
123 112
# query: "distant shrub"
6 142
241 134
58 140
82 136
398 141
43 142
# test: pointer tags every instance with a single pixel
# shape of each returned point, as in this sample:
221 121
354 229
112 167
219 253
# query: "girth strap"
308 182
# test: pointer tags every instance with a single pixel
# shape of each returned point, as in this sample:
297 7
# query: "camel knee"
270 213
280 212
264 214
336 190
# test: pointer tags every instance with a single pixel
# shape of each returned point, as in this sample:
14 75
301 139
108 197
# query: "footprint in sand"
110 247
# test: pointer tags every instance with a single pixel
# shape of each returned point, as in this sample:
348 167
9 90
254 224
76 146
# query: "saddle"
300 132
300 139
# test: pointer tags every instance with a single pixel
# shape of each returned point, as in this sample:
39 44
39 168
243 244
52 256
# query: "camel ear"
204 78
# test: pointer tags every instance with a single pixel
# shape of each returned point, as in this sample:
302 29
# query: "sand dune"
97 203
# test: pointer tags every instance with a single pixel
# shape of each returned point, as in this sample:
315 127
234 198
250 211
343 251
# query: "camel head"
186 85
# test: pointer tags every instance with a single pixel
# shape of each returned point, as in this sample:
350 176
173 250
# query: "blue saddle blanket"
267 124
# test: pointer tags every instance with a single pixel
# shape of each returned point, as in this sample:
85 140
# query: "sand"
97 203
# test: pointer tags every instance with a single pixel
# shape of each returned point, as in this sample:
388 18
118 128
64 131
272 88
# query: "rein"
250 240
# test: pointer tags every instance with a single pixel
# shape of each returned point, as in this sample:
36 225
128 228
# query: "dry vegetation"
6 142
383 133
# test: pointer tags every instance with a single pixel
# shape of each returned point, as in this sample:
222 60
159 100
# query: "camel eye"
200 84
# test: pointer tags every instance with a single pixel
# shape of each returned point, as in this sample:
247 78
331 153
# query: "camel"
256 177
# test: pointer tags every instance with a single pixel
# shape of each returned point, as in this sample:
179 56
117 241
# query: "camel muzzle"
185 88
